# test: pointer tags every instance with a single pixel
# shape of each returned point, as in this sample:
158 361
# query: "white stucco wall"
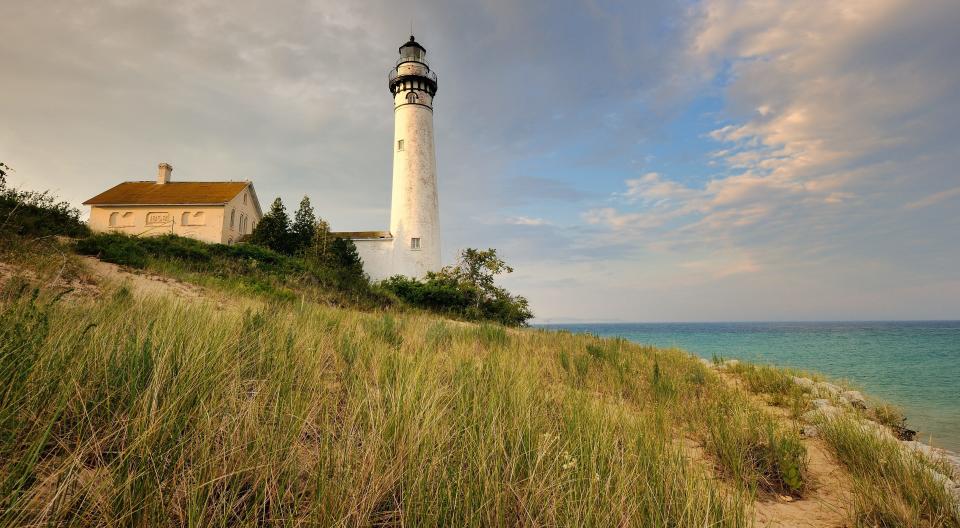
377 255
415 211
243 207
212 224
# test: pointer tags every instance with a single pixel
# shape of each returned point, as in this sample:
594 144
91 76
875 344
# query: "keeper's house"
218 212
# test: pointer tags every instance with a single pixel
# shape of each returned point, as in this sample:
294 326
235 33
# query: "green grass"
152 412
125 410
892 487
775 384
754 448
238 269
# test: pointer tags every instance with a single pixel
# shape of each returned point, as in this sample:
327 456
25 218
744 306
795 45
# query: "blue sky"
634 161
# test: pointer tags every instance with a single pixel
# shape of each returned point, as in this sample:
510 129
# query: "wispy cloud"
526 221
934 199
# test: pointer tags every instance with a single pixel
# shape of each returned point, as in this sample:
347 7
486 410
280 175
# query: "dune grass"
132 411
775 384
892 486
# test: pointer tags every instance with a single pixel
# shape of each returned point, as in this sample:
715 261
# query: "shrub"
466 291
116 248
37 214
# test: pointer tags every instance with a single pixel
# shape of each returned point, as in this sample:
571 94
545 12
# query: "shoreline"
834 403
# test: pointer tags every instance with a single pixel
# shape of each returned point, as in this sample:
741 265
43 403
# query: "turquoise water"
915 365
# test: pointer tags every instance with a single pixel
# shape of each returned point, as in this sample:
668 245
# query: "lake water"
914 365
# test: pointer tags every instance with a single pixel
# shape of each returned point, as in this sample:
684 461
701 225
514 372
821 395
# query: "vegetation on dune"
892 487
150 412
466 290
242 268
38 214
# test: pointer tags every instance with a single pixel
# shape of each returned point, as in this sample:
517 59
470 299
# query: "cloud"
526 221
934 199
828 123
647 155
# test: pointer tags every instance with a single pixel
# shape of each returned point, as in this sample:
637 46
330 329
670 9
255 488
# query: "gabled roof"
172 193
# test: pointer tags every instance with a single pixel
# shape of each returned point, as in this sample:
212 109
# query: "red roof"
172 193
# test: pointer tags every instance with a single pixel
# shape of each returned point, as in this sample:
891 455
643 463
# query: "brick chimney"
163 173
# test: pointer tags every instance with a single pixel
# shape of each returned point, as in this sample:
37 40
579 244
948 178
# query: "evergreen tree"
304 226
344 259
273 231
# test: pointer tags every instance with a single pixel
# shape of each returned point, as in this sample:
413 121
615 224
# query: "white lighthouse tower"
415 212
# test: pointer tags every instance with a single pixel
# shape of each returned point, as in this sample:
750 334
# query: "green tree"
273 230
478 269
344 259
319 248
304 226
467 289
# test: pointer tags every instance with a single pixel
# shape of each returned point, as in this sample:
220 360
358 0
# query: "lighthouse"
414 211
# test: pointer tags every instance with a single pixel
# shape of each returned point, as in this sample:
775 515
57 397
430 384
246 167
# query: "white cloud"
526 221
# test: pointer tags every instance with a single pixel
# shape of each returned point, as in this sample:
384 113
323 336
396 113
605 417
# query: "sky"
710 160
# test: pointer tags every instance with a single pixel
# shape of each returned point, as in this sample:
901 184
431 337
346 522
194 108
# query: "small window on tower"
399 144
412 97
414 243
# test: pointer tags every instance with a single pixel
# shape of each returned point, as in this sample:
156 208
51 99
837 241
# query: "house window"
185 219
114 219
399 144
244 198
233 214
414 243
198 219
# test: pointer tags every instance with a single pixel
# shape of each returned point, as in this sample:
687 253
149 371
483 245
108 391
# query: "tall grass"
153 412
892 487
754 448
775 384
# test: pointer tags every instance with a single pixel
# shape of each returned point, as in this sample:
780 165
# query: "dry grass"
132 410
892 486
149 411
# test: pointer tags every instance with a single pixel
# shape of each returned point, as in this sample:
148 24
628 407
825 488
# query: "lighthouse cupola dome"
412 72
413 51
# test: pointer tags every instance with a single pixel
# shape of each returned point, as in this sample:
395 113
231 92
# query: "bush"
466 290
37 214
116 248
